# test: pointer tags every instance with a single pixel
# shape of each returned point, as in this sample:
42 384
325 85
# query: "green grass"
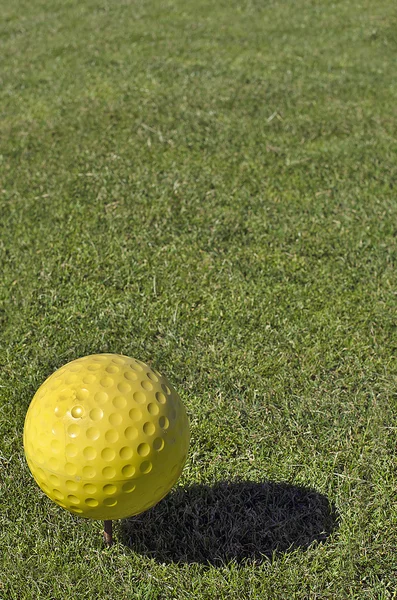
210 187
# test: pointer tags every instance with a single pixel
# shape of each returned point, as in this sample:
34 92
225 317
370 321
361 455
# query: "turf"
209 187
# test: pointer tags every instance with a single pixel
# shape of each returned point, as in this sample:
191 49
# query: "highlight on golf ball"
106 436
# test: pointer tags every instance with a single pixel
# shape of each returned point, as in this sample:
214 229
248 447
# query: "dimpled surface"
106 436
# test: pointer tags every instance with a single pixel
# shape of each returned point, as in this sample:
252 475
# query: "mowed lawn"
209 187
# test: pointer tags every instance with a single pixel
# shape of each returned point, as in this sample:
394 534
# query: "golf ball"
106 436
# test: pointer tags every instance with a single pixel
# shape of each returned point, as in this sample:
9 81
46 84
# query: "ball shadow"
230 521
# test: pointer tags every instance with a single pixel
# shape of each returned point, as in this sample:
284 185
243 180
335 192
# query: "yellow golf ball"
106 436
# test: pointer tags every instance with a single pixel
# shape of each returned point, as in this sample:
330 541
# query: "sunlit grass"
210 187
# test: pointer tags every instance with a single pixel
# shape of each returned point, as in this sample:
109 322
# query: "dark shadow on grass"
230 521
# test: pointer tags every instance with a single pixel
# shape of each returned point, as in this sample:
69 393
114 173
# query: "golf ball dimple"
106 436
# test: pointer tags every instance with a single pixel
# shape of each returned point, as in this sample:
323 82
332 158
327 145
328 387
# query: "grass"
210 187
